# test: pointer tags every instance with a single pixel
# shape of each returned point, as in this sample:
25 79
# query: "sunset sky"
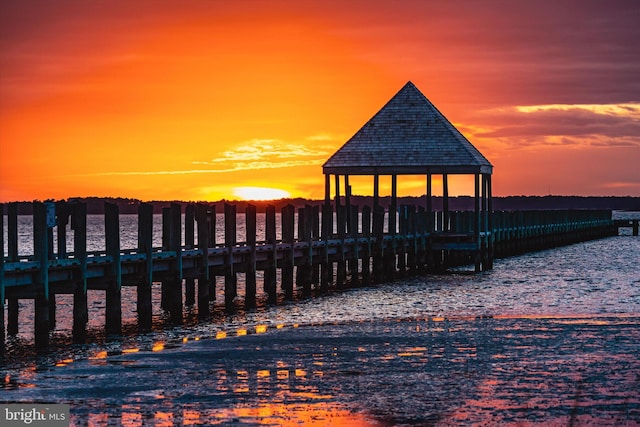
206 99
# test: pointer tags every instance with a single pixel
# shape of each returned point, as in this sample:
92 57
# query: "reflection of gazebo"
409 136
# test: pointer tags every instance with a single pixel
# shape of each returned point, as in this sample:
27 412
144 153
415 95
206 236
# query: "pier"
301 252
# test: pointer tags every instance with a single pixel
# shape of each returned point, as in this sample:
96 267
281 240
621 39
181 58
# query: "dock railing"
311 249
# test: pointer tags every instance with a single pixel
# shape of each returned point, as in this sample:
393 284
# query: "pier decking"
313 252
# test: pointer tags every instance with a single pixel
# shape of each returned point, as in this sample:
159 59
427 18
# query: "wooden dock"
316 250
633 224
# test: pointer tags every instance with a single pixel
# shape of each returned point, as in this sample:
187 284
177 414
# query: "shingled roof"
407 136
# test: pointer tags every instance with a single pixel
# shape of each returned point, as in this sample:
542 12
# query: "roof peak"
408 135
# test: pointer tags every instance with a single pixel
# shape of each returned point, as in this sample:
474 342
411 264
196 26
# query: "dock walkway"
313 250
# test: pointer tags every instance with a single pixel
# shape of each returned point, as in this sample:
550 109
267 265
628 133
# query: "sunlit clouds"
269 154
562 124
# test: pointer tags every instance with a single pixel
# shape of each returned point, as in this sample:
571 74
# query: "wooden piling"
315 235
288 219
12 252
230 280
250 268
378 251
80 306
2 296
41 255
477 224
174 282
305 266
389 254
401 241
366 255
202 219
212 218
189 243
145 246
326 267
113 321
270 285
354 257
166 245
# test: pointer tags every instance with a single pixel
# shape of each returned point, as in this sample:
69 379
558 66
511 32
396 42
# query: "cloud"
597 125
252 155
271 153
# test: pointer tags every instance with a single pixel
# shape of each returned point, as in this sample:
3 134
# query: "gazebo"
409 136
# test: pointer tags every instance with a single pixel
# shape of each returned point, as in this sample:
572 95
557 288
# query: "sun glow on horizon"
260 193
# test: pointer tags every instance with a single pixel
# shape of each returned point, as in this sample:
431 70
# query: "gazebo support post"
394 204
337 203
376 191
327 189
429 205
347 203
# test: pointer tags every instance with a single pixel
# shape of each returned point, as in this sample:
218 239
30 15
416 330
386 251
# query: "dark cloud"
572 122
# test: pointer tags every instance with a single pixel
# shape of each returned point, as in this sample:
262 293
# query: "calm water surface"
549 338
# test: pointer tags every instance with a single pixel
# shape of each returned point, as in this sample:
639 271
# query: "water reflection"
284 395
548 338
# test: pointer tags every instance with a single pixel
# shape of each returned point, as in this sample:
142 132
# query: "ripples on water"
550 337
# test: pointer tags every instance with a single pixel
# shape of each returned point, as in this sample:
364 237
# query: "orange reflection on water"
316 414
99 355
64 362
131 419
190 417
164 419
157 346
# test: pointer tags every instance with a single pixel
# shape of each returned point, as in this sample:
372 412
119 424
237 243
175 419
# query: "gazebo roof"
407 136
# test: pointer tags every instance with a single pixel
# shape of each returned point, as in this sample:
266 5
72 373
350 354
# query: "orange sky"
191 100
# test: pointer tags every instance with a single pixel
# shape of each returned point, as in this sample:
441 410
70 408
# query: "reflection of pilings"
359 250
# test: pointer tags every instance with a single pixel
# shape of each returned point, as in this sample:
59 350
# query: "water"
545 338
